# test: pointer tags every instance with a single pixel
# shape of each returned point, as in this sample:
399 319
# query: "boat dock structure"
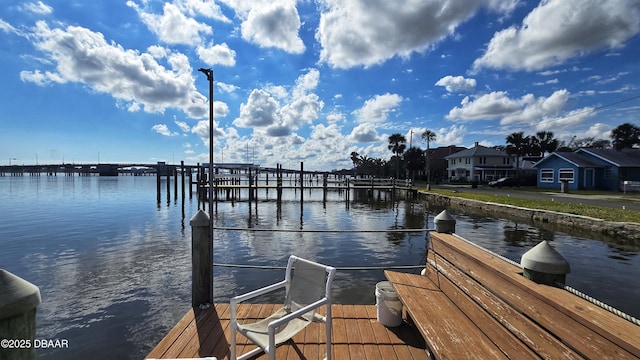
356 334
234 182
468 303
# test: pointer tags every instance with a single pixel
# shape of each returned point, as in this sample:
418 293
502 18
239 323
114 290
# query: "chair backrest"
309 282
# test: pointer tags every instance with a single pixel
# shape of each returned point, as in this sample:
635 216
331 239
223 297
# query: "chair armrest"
236 299
272 325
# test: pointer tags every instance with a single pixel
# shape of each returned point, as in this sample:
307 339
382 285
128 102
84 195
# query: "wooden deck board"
356 335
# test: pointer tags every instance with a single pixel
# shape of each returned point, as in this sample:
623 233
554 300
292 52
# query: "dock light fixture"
209 74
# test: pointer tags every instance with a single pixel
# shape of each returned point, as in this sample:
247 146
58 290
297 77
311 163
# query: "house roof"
577 159
620 158
442 151
476 151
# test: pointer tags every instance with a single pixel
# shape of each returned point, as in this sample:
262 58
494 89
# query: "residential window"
482 160
565 174
467 161
546 175
506 161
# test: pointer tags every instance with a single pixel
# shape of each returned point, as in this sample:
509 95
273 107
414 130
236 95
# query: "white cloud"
364 133
272 23
485 107
599 131
454 84
217 54
306 82
567 121
302 110
377 109
533 109
364 33
260 110
183 126
38 8
335 117
173 27
207 9
264 113
162 129
331 133
558 30
202 130
137 79
8 28
228 88
451 135
527 110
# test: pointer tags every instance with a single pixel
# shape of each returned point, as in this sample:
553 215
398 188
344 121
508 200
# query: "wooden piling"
168 171
175 182
190 179
158 183
201 260
182 170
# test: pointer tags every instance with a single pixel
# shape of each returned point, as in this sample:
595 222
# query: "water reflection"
108 260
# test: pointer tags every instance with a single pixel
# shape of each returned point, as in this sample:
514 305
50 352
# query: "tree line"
408 162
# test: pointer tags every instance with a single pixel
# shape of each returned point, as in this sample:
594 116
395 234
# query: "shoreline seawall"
622 233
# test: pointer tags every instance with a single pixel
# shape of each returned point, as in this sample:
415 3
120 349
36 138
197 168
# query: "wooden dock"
356 335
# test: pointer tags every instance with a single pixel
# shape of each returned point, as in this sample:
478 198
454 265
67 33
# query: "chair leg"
232 349
328 323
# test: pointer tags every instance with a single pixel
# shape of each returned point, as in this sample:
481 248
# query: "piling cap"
444 222
16 295
544 258
201 218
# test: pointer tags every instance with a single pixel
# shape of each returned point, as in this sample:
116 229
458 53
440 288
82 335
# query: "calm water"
114 267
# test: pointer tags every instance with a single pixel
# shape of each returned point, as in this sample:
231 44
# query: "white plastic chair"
308 287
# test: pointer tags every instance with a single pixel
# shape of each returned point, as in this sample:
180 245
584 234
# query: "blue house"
585 169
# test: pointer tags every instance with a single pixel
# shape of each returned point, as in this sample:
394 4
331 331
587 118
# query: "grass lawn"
585 210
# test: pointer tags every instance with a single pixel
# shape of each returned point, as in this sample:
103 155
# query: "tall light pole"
209 74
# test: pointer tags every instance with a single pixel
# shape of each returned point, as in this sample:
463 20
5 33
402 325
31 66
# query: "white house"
480 163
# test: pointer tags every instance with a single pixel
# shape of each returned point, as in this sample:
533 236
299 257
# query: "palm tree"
546 142
625 136
518 145
355 158
397 144
429 136
414 158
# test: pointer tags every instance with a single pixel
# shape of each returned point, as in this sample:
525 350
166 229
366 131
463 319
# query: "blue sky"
311 81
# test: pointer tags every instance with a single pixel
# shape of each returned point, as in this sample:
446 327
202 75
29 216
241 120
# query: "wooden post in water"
301 175
190 179
158 182
168 170
278 182
201 260
182 177
250 187
175 182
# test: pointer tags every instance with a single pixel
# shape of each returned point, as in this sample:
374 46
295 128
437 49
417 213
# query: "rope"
268 267
319 231
568 288
605 306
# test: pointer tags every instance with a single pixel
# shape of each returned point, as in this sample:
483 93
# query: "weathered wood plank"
563 316
166 342
510 330
208 335
447 331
